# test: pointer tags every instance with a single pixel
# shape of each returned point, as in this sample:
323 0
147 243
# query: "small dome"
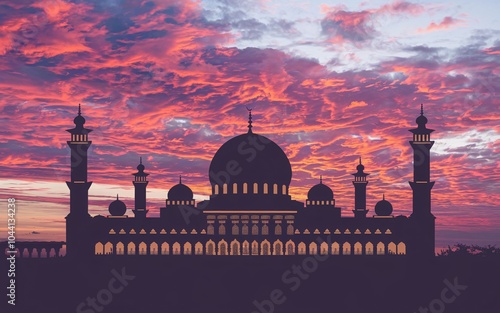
421 120
140 167
320 192
180 192
117 207
79 120
383 207
360 167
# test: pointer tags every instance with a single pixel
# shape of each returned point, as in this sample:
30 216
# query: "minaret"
360 183
78 217
140 182
421 185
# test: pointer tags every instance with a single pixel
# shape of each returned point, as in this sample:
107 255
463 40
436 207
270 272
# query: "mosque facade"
250 211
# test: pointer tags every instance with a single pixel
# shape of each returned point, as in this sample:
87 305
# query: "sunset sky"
328 81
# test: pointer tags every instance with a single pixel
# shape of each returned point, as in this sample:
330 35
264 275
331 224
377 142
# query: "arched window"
165 248
335 248
216 189
289 229
283 189
224 189
346 248
210 247
275 189
255 229
369 248
245 188
358 248
210 229
255 248
235 188
176 248
277 248
131 248
266 189
301 248
235 230
198 248
391 248
153 248
313 248
401 248
235 247
187 248
143 248
265 247
265 229
246 248
108 248
255 188
380 248
244 229
290 248
99 248
277 229
222 247
222 229
120 248
324 248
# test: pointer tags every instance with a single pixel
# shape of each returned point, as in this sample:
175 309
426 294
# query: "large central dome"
250 158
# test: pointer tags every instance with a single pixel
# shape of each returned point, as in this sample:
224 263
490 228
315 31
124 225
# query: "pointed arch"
301 248
108 248
335 248
235 229
235 247
222 247
265 189
187 248
255 188
275 189
358 248
369 248
224 189
153 248
99 248
346 248
210 247
324 248
391 248
235 188
255 229
143 248
255 248
289 229
290 248
401 248
246 248
131 248
222 229
265 247
283 189
210 229
313 248
265 229
216 189
120 248
176 248
198 248
244 229
245 188
277 229
380 248
277 247
165 248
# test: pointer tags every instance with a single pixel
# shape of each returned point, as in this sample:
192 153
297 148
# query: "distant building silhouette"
250 211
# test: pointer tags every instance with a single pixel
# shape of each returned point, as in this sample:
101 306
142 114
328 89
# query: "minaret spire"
360 183
320 179
79 109
117 197
140 183
249 120
421 109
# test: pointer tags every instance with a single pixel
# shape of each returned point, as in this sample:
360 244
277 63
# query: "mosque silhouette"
250 211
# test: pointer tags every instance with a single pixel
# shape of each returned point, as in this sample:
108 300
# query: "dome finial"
421 109
383 196
180 179
79 109
320 179
360 160
249 120
140 160
117 197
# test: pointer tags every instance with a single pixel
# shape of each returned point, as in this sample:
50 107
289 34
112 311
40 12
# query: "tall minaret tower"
140 182
422 218
360 183
78 217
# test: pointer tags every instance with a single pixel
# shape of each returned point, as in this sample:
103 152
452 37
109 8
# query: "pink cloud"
448 22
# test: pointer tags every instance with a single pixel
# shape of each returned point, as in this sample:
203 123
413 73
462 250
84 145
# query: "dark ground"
184 284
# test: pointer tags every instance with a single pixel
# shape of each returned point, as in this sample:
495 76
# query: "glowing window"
216 189
210 229
277 229
255 188
235 230
266 190
265 230
235 188
222 229
283 189
244 230
224 189
245 188
275 189
289 229
255 230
